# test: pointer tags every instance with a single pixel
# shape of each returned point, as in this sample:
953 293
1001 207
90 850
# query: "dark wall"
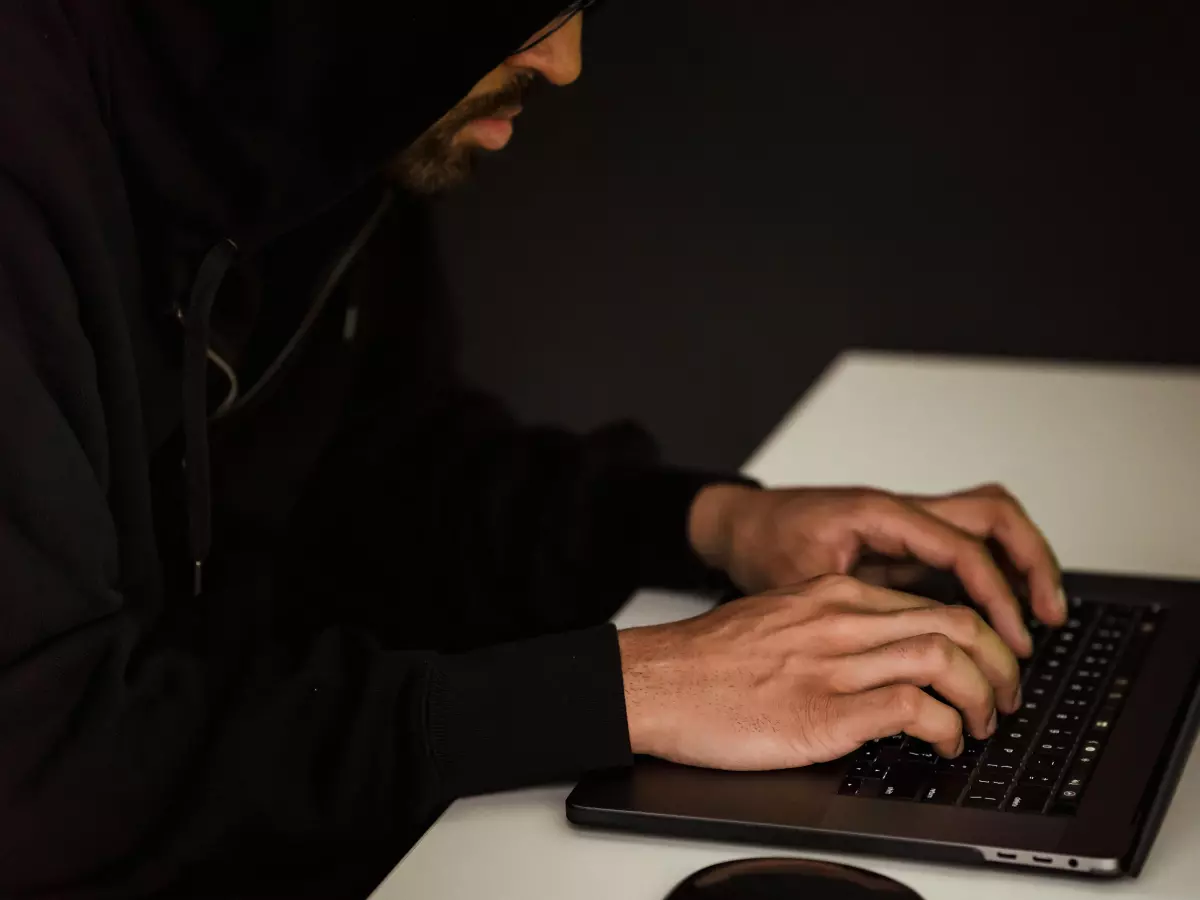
737 191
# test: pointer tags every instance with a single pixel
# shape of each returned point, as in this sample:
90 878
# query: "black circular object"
782 878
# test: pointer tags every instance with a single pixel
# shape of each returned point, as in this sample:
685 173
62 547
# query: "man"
277 587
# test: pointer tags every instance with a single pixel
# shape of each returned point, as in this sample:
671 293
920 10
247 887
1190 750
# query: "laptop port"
1046 860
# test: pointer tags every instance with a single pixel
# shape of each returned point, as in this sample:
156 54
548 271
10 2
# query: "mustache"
512 94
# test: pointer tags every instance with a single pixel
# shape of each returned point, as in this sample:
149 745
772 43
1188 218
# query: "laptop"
1078 780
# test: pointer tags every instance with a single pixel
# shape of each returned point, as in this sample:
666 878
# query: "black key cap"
960 764
997 773
919 757
1081 689
906 783
945 789
1019 722
1075 780
1004 753
1033 708
974 746
1053 747
983 798
1044 763
1057 732
1069 795
1082 767
1067 717
1028 799
1015 735
860 787
1089 750
1104 719
1035 779
869 770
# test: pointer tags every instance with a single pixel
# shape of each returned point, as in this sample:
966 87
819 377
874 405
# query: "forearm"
508 531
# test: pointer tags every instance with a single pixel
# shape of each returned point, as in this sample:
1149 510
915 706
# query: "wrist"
643 721
711 518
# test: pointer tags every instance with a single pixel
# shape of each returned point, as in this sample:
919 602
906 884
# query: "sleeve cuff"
527 713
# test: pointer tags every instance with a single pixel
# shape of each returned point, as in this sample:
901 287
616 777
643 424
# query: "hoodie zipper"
235 400
197 353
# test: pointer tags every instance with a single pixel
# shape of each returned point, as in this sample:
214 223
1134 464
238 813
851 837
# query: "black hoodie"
220 344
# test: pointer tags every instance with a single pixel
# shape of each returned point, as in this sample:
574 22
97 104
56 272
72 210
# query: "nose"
559 58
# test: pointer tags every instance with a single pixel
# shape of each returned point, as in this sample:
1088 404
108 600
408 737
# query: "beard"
434 162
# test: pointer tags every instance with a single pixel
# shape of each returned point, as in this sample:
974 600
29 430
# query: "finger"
960 624
926 660
891 525
992 512
900 707
848 592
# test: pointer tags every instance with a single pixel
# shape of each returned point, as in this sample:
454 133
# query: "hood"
237 121
244 118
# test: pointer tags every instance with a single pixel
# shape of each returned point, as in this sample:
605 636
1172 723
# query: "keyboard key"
1081 769
1013 735
906 783
1053 747
1045 764
1018 722
945 789
957 765
974 746
1004 753
1075 780
1060 733
1090 750
1029 799
920 757
980 798
997 773
1035 779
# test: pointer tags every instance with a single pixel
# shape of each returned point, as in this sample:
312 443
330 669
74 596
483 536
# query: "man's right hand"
795 677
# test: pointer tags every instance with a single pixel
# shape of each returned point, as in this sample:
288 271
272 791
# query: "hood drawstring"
195 318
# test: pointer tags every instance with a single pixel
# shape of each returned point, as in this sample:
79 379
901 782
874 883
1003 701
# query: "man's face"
483 120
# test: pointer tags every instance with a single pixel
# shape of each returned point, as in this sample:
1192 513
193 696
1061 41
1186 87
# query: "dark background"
735 192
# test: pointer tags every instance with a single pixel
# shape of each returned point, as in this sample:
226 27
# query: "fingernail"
1062 601
962 746
1019 700
991 725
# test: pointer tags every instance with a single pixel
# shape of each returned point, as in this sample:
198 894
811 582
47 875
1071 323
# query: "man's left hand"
772 538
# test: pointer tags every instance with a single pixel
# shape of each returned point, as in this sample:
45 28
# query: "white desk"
1107 460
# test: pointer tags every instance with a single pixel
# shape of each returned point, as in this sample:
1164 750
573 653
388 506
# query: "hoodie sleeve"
139 739
507 530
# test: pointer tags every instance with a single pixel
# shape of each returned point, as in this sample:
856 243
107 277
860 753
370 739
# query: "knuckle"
993 489
906 700
840 627
965 624
936 651
869 501
835 585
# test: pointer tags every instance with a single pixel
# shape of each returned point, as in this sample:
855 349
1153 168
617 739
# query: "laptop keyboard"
1041 757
